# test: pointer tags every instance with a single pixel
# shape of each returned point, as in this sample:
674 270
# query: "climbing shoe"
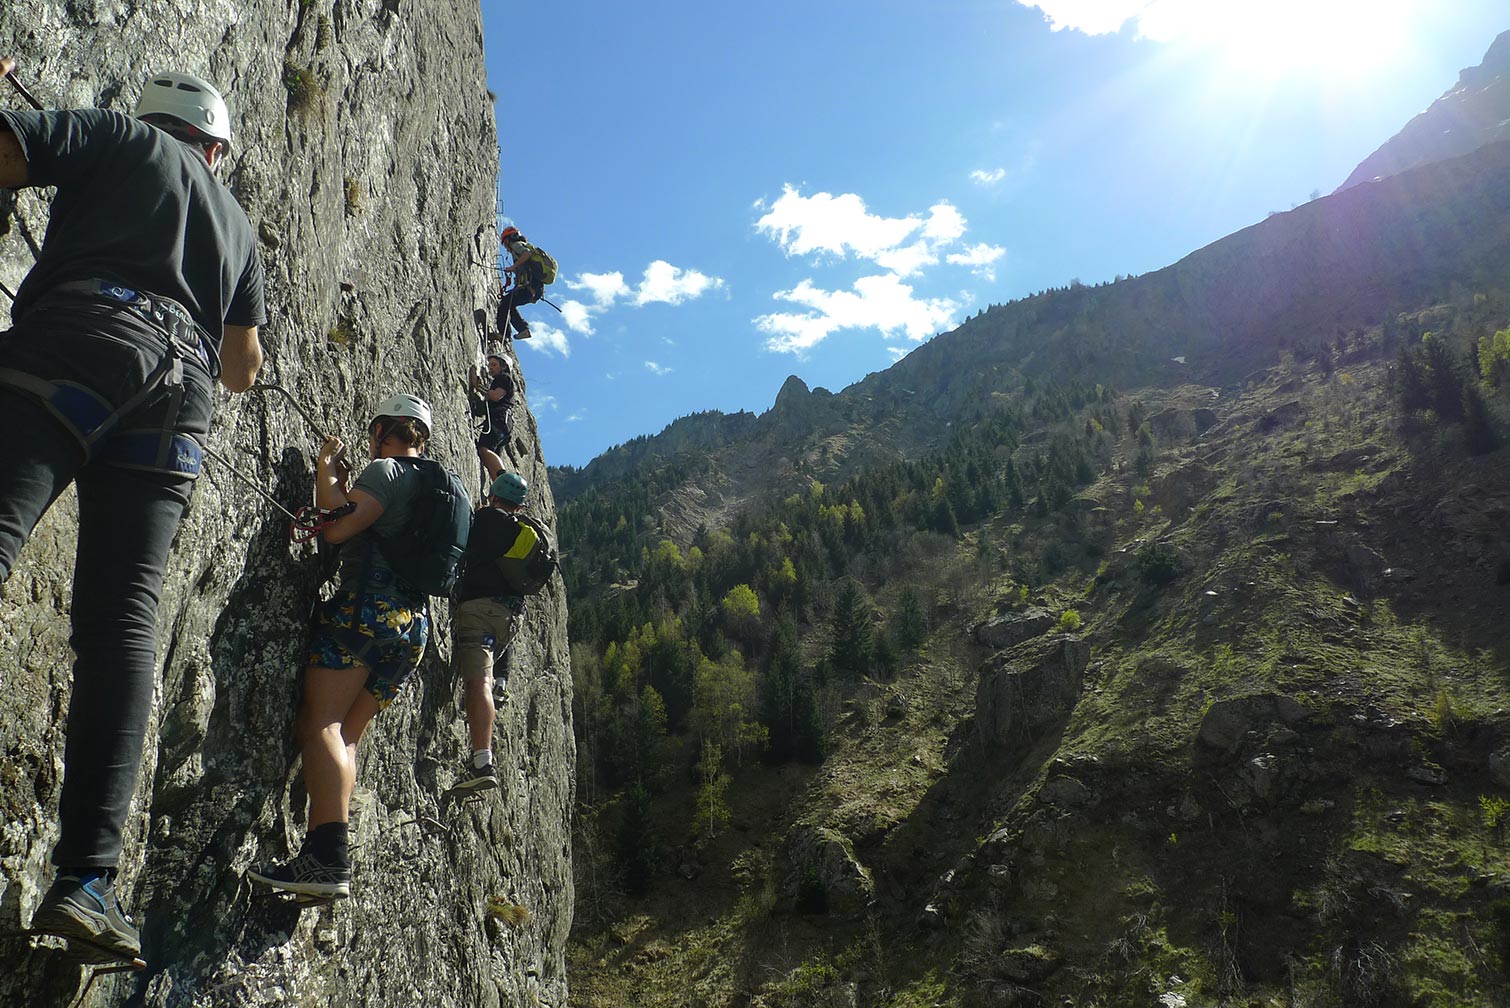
523 333
84 911
307 875
474 778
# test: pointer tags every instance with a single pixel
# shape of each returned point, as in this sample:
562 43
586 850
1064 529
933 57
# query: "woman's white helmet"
189 99
403 404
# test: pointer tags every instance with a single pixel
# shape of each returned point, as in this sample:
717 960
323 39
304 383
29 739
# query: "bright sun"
1272 38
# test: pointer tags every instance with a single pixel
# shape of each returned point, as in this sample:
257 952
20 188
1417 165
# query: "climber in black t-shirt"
499 398
147 288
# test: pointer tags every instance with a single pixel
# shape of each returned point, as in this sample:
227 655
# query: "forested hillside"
1047 668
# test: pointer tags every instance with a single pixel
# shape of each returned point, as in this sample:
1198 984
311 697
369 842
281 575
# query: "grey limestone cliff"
365 157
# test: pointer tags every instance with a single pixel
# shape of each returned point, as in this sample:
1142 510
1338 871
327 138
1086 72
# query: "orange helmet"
509 232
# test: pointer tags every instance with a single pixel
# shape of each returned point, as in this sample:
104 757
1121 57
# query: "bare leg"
330 695
480 712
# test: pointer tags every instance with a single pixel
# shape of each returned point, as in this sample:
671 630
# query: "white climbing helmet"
403 404
189 99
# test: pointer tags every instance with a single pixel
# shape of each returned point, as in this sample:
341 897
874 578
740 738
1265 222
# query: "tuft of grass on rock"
303 86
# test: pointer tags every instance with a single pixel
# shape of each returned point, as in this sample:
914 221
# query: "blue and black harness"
96 422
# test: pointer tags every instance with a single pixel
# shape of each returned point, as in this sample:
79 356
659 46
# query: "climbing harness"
506 291
93 420
31 99
165 313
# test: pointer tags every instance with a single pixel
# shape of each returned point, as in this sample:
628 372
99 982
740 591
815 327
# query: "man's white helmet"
189 99
405 405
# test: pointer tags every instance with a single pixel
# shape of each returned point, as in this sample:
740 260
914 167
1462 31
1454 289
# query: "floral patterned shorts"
385 634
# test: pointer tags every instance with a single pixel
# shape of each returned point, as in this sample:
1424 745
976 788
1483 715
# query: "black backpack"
425 553
527 566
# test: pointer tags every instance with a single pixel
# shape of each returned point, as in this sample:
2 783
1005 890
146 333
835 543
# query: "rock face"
365 157
1474 113
825 858
1026 692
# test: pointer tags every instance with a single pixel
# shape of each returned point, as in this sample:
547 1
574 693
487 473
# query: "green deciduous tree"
725 705
711 816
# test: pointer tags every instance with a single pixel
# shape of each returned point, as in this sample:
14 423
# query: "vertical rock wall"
365 157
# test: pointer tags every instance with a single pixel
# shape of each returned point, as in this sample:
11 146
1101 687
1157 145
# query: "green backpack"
547 265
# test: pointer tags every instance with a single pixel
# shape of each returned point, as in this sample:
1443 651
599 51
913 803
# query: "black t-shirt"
494 532
499 410
139 208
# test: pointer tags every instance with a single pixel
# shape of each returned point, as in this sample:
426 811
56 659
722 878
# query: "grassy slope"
1310 866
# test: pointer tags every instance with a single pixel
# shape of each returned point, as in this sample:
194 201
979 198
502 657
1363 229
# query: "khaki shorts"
482 628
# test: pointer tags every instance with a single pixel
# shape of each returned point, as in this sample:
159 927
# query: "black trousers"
508 308
127 521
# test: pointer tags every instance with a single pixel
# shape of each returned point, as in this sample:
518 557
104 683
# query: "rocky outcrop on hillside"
365 159
1475 112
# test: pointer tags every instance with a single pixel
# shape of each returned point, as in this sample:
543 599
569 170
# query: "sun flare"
1333 38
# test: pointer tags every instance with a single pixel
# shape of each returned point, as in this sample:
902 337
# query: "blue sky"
739 192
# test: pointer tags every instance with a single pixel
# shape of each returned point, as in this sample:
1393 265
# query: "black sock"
327 842
87 875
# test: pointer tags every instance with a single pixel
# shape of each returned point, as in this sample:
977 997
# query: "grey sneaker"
476 778
307 876
88 915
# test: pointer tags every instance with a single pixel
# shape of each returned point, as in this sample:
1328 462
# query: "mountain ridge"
1473 112
1338 263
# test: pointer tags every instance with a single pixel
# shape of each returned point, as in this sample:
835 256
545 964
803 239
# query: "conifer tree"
1478 428
636 845
651 755
851 648
909 627
778 702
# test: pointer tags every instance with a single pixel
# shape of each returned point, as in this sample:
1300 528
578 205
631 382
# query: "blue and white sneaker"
84 911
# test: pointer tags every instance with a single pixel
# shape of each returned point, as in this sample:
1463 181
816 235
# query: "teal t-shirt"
393 485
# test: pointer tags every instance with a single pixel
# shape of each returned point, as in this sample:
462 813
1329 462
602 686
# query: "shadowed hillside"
1139 644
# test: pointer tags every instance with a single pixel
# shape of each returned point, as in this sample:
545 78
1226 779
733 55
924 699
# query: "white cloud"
988 178
1279 27
1093 17
836 225
881 302
575 417
945 224
897 352
824 224
544 401
603 288
841 226
577 316
980 258
656 369
908 260
548 338
662 283
666 283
